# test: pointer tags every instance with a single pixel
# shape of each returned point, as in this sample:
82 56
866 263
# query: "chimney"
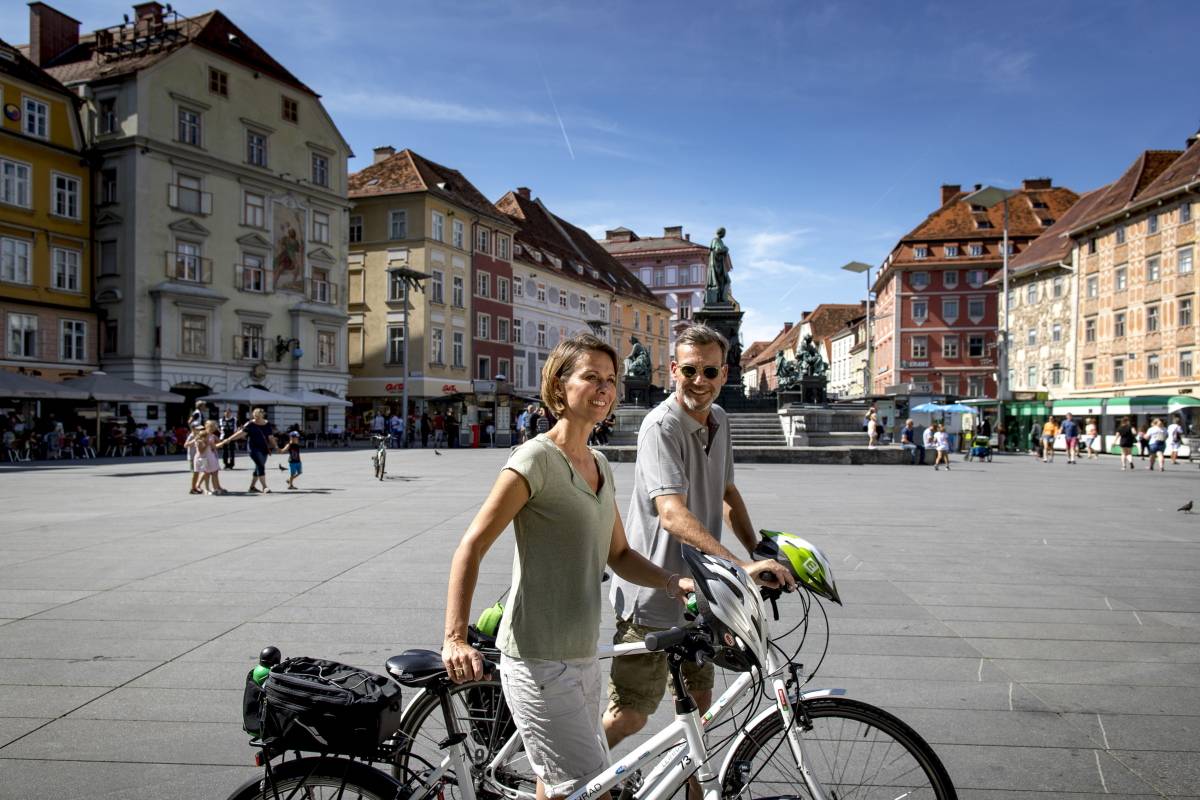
1191 140
787 326
51 33
148 16
1036 183
383 153
524 192
620 235
687 237
673 232
948 191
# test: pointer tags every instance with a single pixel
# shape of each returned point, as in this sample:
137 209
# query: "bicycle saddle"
416 667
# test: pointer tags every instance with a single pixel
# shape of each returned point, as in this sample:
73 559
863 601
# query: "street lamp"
411 279
988 197
858 266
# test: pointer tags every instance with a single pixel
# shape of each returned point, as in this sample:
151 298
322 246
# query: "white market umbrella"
306 397
27 387
100 387
252 396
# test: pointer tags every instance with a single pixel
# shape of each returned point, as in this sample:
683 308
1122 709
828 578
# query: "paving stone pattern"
1038 624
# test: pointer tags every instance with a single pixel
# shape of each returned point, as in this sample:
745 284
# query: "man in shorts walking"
1070 432
683 489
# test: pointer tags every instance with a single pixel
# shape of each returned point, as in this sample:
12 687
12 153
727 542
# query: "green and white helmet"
807 563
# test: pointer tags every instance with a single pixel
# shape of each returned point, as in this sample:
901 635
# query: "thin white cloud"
398 105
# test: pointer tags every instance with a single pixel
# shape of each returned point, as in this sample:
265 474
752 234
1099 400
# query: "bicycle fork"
794 729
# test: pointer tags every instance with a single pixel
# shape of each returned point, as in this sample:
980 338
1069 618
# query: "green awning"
1079 405
1181 402
1032 409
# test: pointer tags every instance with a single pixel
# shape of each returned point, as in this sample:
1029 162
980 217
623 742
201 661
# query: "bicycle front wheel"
321 779
854 749
480 712
380 463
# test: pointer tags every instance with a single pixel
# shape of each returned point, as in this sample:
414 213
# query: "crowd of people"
442 429
25 437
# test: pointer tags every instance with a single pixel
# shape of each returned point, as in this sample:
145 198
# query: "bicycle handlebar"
661 640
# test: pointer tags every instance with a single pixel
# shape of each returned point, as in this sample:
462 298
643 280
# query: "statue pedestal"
637 392
804 391
802 423
725 318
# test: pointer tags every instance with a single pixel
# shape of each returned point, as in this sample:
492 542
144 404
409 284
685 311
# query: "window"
1031 336
320 290
189 126
1121 279
218 82
541 334
256 149
1185 212
186 195
503 370
107 115
950 347
14 183
320 170
1151 319
356 229
483 284
1152 224
1012 298
975 346
1185 364
501 329
1185 312
194 339
976 277
1092 245
685 309
254 209
983 224
398 224
37 118
457 293
1184 261
436 353
950 385
541 292
1011 247
456 234
502 290
1120 234
1152 367
502 247
483 241
920 347
438 228
658 276
484 328
251 341
951 251
1089 330
637 318
1056 332
66 196
672 276
108 186
1093 286
289 109
975 308
483 367
562 299
949 309
109 345
188 266
326 348
976 250
14 260
320 233
457 346
919 280
254 277
1089 373
436 285
976 386
108 257
1119 324
22 336
66 269
1056 375
1152 268
1118 370
1031 376
950 279
518 335
1031 293
921 251
395 345
1057 287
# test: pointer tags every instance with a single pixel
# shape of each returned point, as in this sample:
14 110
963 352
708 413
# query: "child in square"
293 450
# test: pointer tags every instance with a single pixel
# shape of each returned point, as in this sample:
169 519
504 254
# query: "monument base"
637 392
727 320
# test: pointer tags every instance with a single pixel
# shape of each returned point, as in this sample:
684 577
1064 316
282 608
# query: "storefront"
372 396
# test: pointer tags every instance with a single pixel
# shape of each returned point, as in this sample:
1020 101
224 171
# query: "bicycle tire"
851 742
481 713
380 465
317 778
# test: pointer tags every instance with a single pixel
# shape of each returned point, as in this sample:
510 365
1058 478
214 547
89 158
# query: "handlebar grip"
661 640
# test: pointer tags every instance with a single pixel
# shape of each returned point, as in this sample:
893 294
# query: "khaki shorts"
638 681
556 706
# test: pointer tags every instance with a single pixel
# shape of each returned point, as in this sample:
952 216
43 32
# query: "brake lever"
774 608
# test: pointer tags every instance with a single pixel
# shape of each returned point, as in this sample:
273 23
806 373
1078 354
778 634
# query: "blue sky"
815 132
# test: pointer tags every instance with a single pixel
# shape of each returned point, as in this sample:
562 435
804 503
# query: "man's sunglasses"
689 372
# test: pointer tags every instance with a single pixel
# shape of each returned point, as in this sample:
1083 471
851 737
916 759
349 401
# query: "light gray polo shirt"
675 456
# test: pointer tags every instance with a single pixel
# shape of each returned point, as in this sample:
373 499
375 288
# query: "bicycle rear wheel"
481 713
380 463
854 749
321 779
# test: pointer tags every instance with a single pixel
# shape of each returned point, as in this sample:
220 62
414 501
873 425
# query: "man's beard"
696 404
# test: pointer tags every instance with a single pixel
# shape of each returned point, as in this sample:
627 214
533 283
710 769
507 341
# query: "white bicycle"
379 460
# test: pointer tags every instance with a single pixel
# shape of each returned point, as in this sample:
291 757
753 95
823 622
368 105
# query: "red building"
491 306
936 315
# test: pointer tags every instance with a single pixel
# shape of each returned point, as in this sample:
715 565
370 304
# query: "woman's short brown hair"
561 363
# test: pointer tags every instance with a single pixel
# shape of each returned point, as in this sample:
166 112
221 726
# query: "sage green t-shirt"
563 535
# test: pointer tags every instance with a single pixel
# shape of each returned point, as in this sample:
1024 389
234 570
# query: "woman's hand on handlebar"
463 662
770 572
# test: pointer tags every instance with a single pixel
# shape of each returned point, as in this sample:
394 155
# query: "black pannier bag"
316 705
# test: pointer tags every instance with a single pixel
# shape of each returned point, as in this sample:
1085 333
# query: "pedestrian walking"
941 441
1175 437
260 443
1156 441
439 430
872 431
452 428
195 420
396 429
1070 432
1126 438
228 427
295 468
1143 442
426 429
1093 439
1049 434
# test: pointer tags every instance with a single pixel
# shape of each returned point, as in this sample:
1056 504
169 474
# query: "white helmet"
732 607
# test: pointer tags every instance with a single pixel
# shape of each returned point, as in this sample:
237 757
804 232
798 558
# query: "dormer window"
983 224
951 251
1038 204
920 251
976 251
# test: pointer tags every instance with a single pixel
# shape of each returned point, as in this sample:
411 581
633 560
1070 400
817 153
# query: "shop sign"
484 386
914 364
397 388
449 388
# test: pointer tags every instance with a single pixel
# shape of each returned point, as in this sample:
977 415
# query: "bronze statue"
637 364
717 290
809 359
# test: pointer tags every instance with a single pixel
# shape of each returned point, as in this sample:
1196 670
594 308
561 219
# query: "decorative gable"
189 227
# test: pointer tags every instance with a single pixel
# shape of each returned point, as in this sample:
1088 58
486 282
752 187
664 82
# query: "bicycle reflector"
806 561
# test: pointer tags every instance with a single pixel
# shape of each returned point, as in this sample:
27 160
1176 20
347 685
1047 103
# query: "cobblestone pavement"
1038 623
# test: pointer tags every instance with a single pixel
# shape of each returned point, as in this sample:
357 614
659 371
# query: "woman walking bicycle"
559 495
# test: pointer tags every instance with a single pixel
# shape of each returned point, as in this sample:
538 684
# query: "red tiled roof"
1055 244
21 68
406 172
1121 192
784 340
823 321
1179 173
956 220
752 352
654 244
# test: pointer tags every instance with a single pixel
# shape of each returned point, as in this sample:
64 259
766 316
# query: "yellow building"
45 259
